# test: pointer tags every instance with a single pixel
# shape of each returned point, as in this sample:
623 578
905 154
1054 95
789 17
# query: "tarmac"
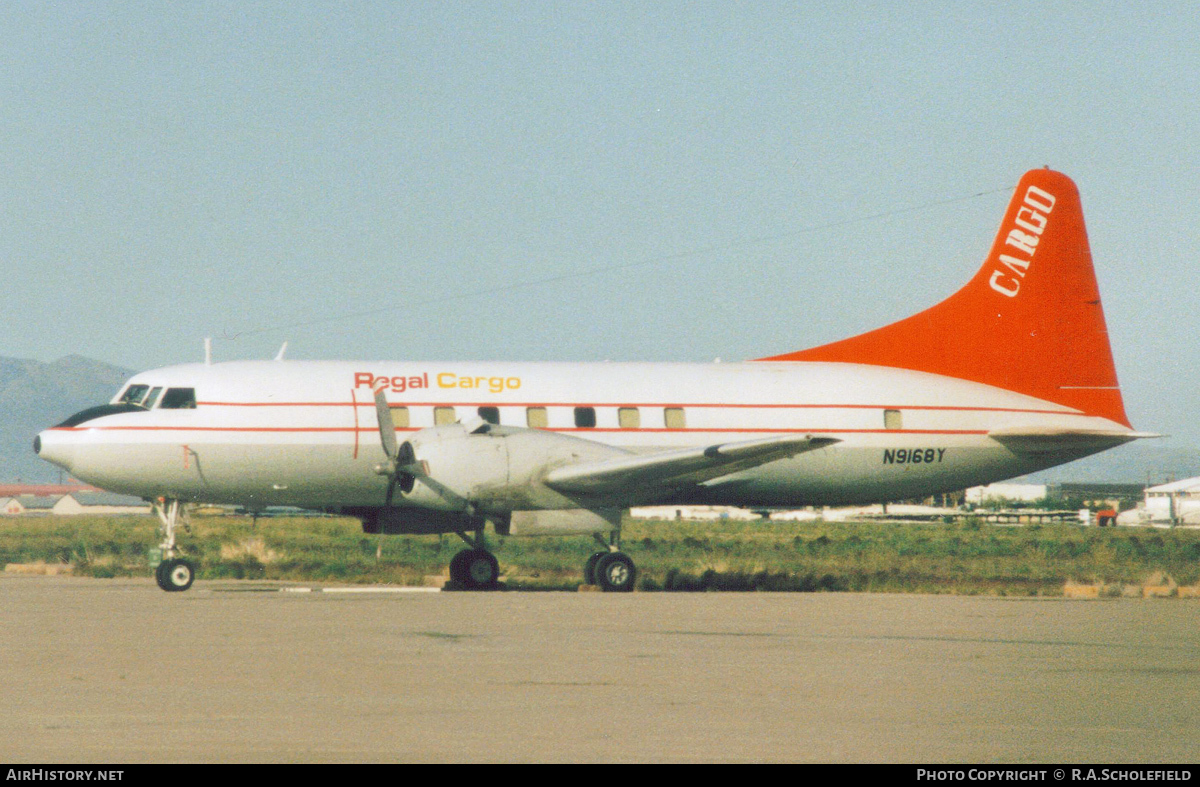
117 671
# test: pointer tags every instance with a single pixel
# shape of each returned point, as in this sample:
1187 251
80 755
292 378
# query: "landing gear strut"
174 573
475 568
612 569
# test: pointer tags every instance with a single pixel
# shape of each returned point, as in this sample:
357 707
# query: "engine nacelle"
413 521
493 469
558 523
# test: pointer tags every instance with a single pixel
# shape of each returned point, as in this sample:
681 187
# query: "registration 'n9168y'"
913 456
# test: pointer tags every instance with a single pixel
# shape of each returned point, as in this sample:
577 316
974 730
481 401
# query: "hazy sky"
371 179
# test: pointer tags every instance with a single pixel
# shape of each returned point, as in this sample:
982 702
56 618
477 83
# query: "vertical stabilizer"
1030 320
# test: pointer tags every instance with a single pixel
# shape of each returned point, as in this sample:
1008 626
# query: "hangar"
1176 503
80 502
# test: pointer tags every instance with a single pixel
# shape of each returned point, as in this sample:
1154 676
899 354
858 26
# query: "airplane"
1011 374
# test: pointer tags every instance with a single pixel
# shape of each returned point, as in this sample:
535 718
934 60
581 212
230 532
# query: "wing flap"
683 467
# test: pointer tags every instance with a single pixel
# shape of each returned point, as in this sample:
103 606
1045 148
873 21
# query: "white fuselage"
305 433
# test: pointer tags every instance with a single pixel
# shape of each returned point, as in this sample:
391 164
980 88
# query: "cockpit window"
134 394
137 399
151 398
179 399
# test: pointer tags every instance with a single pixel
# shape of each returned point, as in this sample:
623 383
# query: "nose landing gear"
174 574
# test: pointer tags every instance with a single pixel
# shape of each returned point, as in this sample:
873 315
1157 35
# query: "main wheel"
589 568
475 569
615 573
175 575
458 568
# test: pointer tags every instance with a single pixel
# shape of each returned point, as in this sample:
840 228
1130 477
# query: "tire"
458 568
589 568
175 575
616 573
475 569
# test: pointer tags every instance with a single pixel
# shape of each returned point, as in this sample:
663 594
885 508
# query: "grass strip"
680 556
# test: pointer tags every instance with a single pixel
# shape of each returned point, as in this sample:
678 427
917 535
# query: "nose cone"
54 449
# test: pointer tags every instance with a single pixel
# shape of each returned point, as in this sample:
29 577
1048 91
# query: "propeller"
401 465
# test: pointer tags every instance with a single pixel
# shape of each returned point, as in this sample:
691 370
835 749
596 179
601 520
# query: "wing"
683 467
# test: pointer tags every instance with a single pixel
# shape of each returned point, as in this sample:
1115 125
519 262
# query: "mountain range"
35 395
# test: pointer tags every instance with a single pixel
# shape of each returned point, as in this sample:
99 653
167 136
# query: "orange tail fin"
1030 320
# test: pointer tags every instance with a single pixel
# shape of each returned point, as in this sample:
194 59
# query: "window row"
539 417
585 417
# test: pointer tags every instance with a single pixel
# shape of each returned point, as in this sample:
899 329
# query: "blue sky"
579 181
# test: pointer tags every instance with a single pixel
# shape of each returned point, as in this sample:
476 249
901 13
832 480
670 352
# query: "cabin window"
892 419
490 414
444 415
536 417
585 417
400 417
179 399
673 418
151 398
629 417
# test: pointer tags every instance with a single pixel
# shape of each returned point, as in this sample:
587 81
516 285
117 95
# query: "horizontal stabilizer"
1050 440
679 468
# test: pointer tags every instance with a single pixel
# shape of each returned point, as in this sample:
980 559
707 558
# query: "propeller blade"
387 438
387 428
443 491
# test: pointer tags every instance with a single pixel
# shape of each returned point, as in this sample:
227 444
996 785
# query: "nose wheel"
174 574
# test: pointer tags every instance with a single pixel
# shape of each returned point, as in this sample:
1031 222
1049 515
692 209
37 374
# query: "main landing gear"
612 569
475 568
174 574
